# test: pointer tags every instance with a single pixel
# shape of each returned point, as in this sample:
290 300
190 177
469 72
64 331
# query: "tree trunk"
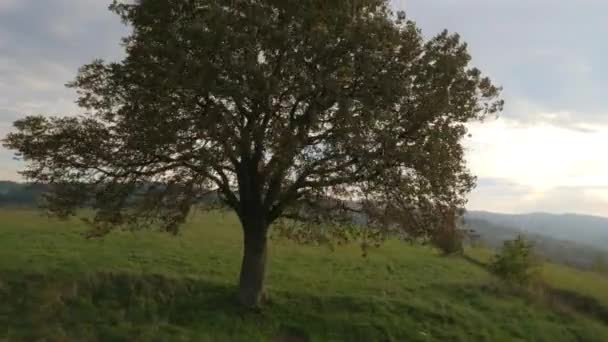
253 268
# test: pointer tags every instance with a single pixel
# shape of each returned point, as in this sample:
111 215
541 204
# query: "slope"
147 286
583 229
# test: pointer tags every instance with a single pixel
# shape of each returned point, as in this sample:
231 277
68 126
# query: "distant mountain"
14 194
587 230
564 239
577 240
6 186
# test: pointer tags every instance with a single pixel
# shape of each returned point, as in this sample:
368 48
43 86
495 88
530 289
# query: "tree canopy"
283 108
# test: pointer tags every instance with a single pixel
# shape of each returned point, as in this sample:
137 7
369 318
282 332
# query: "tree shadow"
34 304
579 303
119 306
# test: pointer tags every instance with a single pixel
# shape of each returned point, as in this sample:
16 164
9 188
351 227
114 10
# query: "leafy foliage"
516 263
450 237
276 106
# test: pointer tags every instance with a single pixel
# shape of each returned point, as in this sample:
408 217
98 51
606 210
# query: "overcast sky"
546 152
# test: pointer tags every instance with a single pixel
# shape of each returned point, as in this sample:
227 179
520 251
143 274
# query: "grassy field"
147 286
585 284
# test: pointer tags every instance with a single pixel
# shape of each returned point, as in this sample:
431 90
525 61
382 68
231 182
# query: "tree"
449 237
298 109
517 262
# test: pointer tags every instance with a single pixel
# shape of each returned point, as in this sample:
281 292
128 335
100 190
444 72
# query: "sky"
546 152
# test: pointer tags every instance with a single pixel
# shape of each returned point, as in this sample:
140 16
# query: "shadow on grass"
135 307
579 303
130 307
475 262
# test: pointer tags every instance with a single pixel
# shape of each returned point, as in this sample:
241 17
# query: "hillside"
559 251
582 229
577 240
19 194
148 286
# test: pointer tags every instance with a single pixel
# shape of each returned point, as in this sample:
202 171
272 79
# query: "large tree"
299 109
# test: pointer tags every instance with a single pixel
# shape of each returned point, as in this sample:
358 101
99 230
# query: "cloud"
501 195
8 166
544 52
539 167
42 45
34 88
541 156
7 6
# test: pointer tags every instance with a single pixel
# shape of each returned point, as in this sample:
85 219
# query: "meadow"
55 285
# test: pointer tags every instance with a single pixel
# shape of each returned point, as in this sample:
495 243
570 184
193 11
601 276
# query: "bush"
449 241
517 263
449 237
600 265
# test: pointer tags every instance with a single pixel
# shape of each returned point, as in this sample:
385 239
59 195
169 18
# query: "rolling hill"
583 229
148 286
574 240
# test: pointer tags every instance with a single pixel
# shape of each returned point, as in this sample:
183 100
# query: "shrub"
517 263
449 237
600 265
449 241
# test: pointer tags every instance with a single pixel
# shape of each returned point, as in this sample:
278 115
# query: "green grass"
588 284
147 286
593 286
